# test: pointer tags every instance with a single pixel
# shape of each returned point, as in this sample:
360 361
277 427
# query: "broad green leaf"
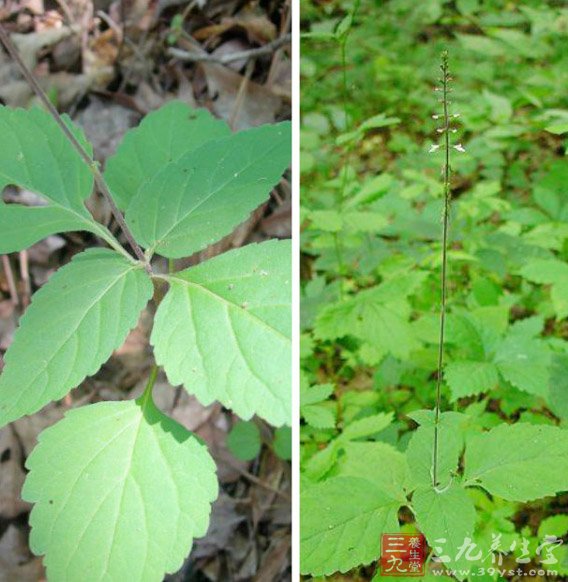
163 136
378 462
283 442
366 427
244 440
35 154
312 406
420 450
318 415
120 492
558 399
341 521
70 329
525 363
223 331
446 518
201 198
519 462
468 378
557 128
378 316
551 272
23 226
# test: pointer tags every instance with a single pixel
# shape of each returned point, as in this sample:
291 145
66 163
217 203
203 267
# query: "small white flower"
459 148
456 115
441 129
436 116
453 130
433 148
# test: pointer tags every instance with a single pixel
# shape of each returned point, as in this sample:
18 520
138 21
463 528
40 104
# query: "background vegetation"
371 241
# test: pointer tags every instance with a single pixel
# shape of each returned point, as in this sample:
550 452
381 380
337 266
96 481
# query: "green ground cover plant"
483 463
120 490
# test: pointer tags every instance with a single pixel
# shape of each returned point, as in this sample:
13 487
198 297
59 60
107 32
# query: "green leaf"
551 272
469 378
341 522
519 462
223 331
120 492
318 415
22 226
163 137
446 518
558 128
525 363
283 442
36 155
244 440
378 316
201 198
72 326
378 462
367 427
420 450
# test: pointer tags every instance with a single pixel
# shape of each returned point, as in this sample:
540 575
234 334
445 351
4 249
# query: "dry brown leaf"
11 475
16 562
259 105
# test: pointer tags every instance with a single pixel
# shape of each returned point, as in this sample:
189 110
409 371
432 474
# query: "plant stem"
147 394
343 188
93 166
446 212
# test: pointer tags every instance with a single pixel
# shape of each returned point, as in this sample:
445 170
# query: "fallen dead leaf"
11 475
259 105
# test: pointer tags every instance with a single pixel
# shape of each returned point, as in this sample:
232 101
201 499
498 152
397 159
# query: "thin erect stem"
445 227
344 177
99 180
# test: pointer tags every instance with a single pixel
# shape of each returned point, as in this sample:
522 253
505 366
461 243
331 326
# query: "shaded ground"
107 64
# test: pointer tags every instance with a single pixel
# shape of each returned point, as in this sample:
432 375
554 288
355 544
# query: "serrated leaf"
525 363
318 415
120 492
519 462
420 450
36 155
368 317
22 226
378 462
469 378
550 272
163 136
201 198
244 440
70 329
223 331
342 520
446 518
366 427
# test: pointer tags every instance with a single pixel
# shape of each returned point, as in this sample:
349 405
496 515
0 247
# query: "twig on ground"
254 479
266 49
25 275
239 100
13 52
